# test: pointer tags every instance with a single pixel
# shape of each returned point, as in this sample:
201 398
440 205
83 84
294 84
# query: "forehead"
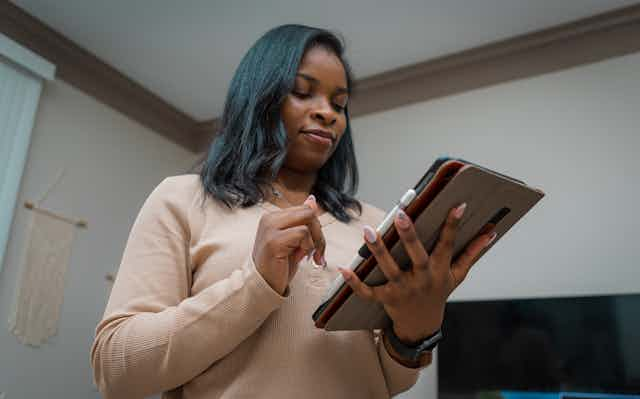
323 65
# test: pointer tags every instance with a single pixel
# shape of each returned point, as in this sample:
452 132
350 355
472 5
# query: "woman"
222 271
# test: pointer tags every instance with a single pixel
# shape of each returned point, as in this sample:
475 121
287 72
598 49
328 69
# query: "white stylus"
382 228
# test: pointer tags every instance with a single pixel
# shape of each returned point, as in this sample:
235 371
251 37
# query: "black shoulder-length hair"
250 148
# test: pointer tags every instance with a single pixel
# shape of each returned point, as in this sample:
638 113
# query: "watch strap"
414 351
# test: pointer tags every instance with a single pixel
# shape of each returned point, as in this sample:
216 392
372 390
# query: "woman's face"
313 113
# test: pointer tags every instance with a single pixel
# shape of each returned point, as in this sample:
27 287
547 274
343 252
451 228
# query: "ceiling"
186 51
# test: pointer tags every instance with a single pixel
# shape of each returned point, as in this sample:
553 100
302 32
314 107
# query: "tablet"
494 202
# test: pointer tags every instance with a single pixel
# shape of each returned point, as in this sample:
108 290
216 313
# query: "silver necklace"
279 194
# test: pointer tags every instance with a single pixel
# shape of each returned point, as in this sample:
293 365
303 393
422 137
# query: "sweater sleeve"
399 378
154 337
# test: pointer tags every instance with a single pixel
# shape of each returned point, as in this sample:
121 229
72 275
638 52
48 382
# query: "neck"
296 186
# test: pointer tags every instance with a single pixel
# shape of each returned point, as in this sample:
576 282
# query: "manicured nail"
492 238
460 211
310 255
321 262
345 273
370 234
311 202
403 219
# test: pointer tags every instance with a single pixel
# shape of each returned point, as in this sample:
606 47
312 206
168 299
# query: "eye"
339 102
300 94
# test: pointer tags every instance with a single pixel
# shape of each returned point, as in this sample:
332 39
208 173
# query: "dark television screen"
578 344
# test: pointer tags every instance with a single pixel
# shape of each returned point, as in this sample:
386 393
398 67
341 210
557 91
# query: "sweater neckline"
324 219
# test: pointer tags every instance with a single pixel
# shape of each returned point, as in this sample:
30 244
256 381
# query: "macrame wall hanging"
40 290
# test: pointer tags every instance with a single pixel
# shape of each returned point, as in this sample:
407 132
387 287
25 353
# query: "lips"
320 133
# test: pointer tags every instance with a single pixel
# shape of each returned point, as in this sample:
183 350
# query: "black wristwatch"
416 350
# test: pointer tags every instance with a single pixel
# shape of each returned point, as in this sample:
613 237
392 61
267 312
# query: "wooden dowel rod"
78 223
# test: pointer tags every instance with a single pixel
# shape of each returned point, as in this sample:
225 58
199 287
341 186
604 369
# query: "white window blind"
22 74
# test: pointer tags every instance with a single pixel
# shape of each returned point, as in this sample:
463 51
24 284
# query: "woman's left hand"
415 299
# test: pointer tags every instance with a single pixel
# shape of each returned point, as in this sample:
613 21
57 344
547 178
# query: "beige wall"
112 163
573 133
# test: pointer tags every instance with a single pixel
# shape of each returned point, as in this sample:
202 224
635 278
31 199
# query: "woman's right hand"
285 237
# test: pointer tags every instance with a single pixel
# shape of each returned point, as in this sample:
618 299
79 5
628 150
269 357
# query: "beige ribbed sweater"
190 315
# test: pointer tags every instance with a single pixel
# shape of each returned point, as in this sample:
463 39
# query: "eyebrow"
339 89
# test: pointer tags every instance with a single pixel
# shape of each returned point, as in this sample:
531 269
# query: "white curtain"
21 78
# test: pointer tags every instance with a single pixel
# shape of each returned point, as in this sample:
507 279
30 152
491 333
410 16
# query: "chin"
307 163
309 158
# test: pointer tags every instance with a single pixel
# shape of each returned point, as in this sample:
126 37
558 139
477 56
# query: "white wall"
112 164
572 133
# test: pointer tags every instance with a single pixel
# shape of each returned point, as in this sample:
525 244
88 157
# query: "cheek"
292 115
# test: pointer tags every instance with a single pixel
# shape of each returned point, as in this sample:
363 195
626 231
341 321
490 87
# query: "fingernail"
344 273
403 219
321 262
310 255
369 234
460 211
311 202
492 237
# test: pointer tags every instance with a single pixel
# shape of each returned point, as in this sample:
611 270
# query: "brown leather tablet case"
493 201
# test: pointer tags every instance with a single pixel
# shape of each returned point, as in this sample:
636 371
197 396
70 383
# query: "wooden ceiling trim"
607 35
596 38
83 70
611 34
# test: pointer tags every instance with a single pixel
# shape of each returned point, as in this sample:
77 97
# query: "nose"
323 113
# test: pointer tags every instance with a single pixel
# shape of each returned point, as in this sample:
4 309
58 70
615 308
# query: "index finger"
293 216
306 214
